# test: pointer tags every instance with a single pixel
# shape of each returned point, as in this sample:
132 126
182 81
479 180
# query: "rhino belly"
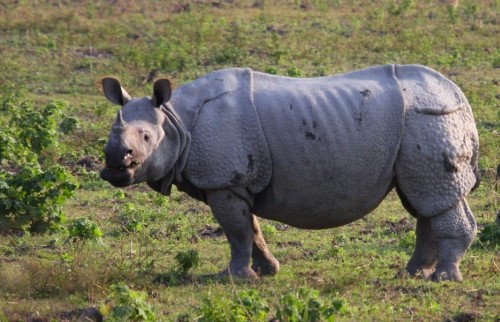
312 210
333 143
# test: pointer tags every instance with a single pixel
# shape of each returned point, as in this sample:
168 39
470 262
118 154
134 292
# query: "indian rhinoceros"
312 153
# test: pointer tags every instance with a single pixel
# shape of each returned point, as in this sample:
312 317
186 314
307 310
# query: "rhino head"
144 143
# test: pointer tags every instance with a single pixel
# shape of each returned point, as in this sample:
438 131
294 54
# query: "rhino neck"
173 173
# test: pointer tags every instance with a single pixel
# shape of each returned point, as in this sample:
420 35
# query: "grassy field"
58 50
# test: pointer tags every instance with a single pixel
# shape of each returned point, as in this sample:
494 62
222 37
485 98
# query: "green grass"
57 50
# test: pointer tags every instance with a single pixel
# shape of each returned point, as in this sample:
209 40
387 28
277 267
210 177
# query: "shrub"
128 305
31 198
32 190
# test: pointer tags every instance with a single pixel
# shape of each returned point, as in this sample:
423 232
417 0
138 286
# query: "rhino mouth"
121 176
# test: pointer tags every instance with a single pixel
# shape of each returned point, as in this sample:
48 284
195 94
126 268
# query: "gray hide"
228 147
312 153
324 149
333 142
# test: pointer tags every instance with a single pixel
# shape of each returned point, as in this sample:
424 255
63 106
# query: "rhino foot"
450 274
454 231
266 267
245 273
442 241
422 273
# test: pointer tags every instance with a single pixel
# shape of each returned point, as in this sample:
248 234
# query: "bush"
32 190
31 198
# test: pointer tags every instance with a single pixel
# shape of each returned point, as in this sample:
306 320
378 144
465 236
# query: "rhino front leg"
264 263
454 230
232 212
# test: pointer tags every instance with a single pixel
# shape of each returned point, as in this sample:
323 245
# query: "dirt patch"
293 243
88 314
210 232
402 226
464 317
12 232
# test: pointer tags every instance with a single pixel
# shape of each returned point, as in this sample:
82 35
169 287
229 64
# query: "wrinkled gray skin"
313 153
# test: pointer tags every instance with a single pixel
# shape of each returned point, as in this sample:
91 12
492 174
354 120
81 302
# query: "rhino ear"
114 92
162 91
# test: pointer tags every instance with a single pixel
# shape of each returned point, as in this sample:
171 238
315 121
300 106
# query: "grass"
57 50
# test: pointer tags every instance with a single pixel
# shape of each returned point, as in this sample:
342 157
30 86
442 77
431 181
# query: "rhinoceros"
313 153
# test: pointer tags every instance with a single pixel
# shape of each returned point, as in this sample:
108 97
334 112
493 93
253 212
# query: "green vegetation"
137 255
129 305
33 187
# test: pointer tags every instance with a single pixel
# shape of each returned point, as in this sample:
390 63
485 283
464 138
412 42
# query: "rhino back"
333 142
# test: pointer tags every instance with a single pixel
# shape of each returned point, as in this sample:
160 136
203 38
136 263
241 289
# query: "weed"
306 305
490 235
84 229
408 241
187 261
244 306
128 305
294 72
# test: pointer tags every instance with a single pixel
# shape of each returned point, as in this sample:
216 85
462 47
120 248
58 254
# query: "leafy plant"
255 306
84 229
187 261
306 305
220 310
128 305
490 235
294 72
244 306
31 192
300 306
31 198
408 240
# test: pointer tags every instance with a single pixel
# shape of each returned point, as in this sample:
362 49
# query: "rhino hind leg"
233 214
442 241
264 263
454 230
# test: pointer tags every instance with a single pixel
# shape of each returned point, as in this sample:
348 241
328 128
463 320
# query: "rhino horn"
120 122
114 92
